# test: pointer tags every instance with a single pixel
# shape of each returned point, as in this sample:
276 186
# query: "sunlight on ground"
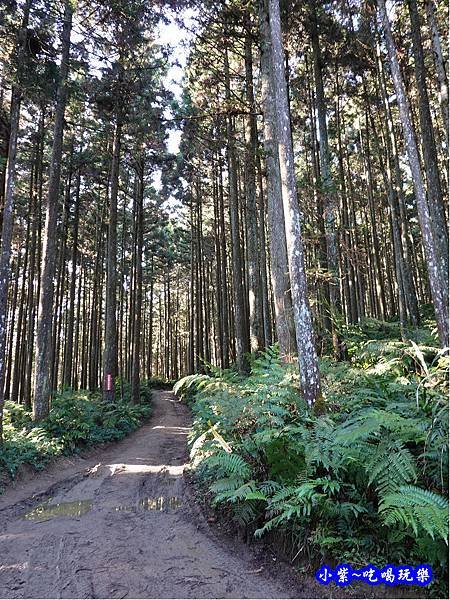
125 468
173 430
14 567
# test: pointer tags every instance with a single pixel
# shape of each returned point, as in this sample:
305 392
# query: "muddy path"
123 523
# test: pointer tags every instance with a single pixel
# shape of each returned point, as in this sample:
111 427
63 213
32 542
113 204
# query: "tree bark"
8 219
42 387
397 199
284 318
241 334
251 139
223 269
438 288
327 190
110 349
439 64
430 158
135 378
67 376
308 362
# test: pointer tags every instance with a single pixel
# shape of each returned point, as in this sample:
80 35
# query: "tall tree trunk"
31 295
78 364
61 280
110 350
439 63
223 269
241 334
438 287
308 362
284 318
42 387
401 268
264 265
219 325
327 190
430 158
348 270
7 217
135 378
150 323
17 378
322 287
67 376
251 140
375 243
191 353
399 207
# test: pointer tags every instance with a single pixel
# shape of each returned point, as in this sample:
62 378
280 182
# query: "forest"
226 221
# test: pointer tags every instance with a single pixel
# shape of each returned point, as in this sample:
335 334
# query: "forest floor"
122 522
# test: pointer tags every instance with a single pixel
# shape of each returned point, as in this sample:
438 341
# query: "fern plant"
357 483
416 509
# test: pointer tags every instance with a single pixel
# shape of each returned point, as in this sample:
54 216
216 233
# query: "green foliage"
159 383
76 420
227 464
416 509
15 415
365 482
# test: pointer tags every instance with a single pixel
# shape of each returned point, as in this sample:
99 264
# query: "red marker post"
109 386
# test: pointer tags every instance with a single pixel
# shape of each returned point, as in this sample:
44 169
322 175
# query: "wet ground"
123 524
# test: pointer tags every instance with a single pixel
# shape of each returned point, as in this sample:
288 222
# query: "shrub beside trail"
77 420
365 482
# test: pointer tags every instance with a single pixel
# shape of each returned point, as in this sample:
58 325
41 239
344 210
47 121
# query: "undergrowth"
76 421
160 383
366 482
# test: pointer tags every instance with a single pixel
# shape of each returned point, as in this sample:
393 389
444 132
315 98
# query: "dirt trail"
122 524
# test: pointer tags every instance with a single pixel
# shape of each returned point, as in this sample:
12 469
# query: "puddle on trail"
61 509
81 507
160 503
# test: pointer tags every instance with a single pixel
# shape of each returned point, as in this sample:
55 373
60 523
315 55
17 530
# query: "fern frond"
416 508
268 488
226 484
229 464
244 513
237 494
188 382
390 466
